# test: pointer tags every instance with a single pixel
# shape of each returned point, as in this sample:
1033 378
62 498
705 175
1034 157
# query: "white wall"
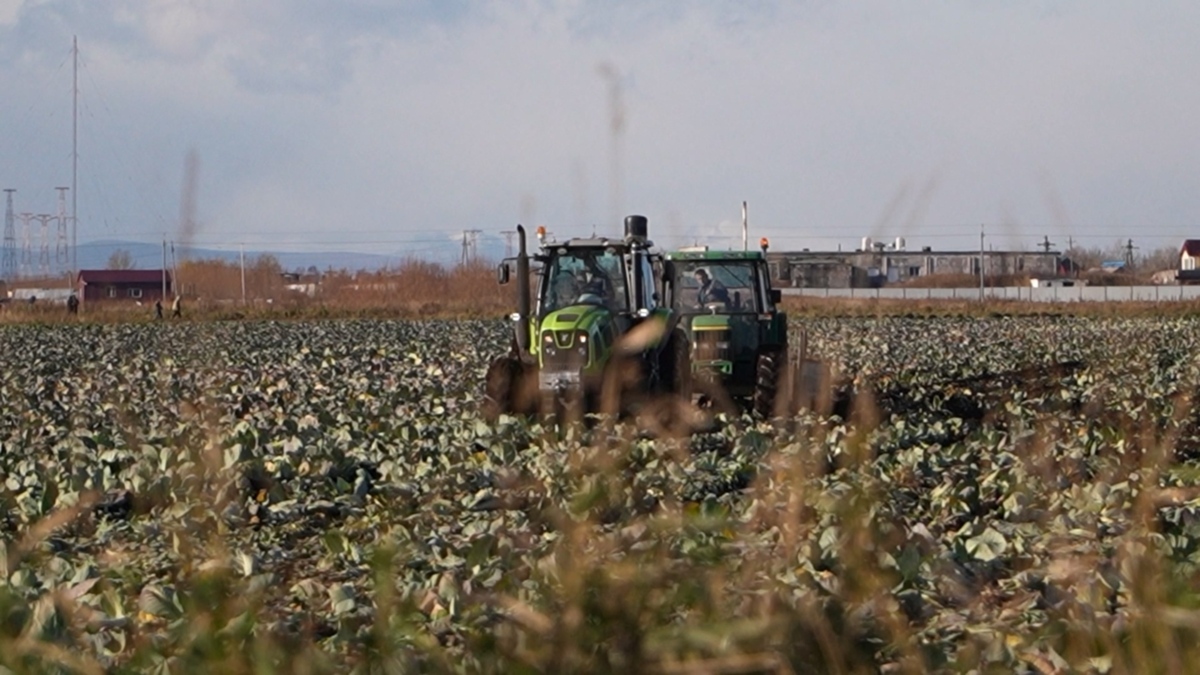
1072 294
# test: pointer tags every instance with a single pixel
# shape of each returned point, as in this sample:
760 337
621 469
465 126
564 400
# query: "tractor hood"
575 318
710 322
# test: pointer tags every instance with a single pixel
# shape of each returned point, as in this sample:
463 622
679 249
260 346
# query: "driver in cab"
710 290
595 288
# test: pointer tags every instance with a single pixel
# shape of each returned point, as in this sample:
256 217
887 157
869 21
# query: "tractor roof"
715 255
594 242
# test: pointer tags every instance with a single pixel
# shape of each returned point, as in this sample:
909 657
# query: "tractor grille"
561 350
712 345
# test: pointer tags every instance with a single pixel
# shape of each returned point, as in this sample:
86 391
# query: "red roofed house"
1189 262
141 285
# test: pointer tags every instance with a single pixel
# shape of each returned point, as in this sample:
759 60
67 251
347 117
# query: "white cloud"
384 123
9 10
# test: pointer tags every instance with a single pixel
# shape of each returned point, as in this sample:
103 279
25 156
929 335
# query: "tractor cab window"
583 277
721 286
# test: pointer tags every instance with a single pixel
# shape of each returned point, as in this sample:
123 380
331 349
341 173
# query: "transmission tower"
62 251
470 243
9 268
44 252
508 242
1129 249
26 244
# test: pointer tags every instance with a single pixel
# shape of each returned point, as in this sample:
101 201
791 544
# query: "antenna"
75 157
9 267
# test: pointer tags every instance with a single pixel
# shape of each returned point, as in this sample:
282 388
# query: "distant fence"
1015 293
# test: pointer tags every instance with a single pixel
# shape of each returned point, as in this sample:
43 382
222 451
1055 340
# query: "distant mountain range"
96 254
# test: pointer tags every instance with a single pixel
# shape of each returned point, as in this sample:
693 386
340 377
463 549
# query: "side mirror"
776 295
502 273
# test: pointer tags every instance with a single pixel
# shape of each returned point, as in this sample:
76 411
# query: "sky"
392 126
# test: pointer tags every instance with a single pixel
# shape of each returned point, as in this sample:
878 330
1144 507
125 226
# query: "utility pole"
981 251
242 257
1046 244
174 273
508 242
9 268
745 228
164 270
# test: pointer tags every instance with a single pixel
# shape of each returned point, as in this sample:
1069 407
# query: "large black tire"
766 383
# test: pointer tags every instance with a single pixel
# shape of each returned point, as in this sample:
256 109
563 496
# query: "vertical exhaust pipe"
523 300
636 232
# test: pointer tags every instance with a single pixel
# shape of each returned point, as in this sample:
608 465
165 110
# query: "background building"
140 285
895 265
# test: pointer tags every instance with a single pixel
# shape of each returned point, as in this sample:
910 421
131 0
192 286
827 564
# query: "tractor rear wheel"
766 383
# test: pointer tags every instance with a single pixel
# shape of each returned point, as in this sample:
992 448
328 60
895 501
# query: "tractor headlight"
548 344
581 344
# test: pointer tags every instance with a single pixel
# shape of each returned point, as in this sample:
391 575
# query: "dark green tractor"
729 316
588 330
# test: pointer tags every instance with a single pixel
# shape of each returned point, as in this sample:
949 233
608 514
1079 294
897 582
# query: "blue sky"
383 126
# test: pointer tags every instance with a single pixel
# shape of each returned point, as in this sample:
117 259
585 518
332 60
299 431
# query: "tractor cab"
588 292
730 316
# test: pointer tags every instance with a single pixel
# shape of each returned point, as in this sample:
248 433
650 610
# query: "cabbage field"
1009 493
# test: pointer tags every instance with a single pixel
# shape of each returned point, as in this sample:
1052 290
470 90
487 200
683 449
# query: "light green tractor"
590 332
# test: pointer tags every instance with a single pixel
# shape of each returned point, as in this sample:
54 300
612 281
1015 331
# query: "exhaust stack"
523 300
636 228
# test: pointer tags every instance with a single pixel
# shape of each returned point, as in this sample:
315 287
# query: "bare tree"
1165 258
120 259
